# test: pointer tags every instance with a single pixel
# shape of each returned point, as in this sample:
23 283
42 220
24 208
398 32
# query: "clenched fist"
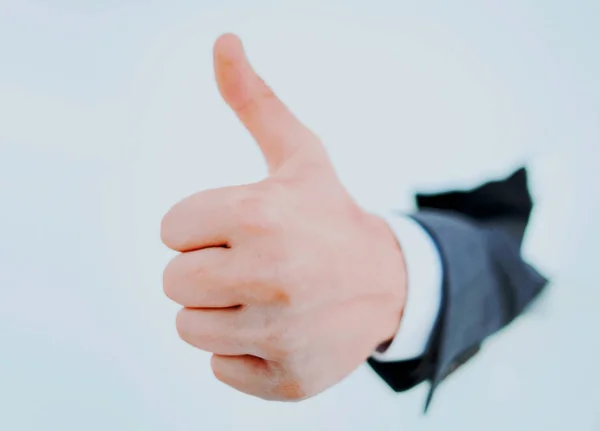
288 282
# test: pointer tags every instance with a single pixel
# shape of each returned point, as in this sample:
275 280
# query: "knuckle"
172 226
273 277
170 276
217 369
258 214
290 389
289 386
167 232
280 343
279 277
278 294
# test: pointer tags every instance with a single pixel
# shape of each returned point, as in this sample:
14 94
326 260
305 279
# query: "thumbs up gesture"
288 282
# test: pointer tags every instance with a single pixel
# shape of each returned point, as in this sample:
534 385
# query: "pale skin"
288 282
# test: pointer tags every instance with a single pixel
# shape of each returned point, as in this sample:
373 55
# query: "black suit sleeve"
486 283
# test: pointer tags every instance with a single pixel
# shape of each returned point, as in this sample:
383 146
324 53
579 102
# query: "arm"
485 283
292 285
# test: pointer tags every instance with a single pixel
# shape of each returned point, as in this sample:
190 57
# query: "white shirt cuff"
424 290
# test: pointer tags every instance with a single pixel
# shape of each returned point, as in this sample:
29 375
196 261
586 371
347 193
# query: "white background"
109 115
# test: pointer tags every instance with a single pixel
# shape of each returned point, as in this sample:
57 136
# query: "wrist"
393 278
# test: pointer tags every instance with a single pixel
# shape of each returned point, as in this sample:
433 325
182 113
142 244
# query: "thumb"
279 134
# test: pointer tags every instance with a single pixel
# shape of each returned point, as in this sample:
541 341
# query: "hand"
287 281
